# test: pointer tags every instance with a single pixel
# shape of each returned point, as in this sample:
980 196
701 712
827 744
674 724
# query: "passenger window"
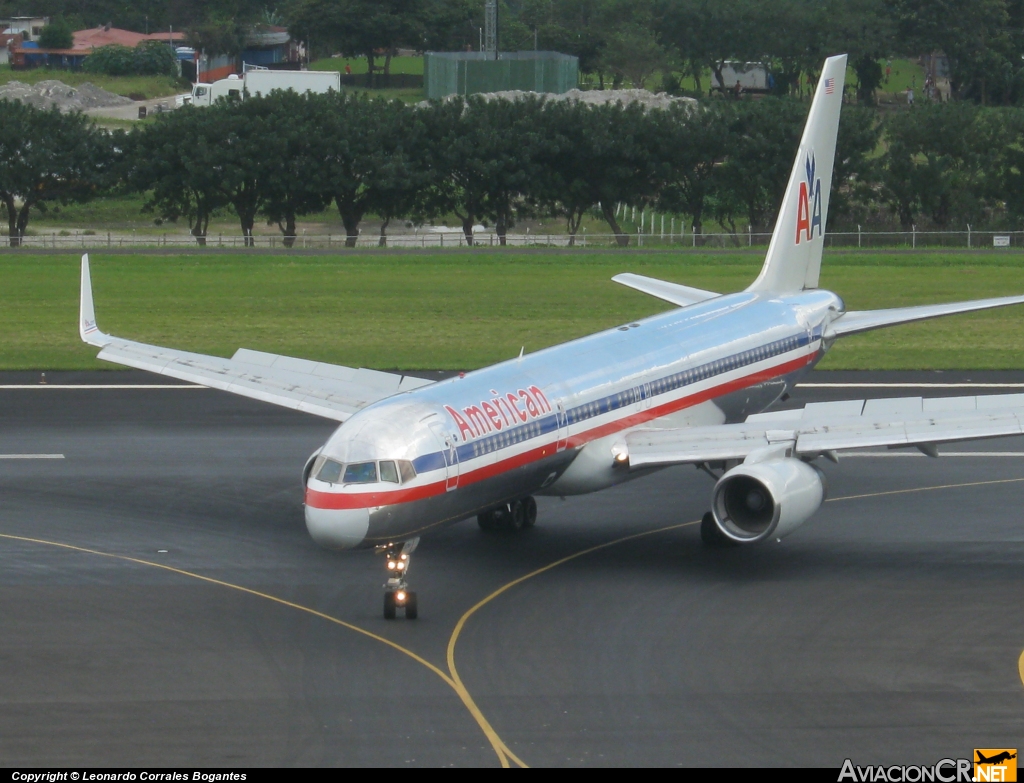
388 471
330 472
407 470
361 473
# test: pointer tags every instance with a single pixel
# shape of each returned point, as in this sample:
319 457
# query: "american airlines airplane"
687 386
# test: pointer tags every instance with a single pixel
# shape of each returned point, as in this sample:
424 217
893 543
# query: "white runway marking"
101 386
910 385
846 454
31 456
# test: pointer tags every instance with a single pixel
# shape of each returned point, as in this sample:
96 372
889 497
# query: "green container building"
466 73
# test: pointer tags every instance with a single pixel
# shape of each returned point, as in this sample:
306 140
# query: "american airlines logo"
808 208
500 412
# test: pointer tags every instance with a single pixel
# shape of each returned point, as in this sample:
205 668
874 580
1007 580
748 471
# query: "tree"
593 157
47 157
692 143
763 139
935 163
292 167
488 152
364 155
359 28
57 35
632 53
854 174
176 161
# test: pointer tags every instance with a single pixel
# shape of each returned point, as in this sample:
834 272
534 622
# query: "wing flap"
679 295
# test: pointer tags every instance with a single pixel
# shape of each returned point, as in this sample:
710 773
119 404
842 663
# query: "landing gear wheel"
389 606
529 512
517 516
488 521
710 534
411 606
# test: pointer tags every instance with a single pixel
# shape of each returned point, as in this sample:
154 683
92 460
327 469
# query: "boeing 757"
687 386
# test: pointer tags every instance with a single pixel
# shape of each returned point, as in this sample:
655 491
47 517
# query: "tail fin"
794 255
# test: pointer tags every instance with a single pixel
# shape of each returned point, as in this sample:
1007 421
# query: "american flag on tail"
830 86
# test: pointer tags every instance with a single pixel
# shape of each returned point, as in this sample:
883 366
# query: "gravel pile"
648 99
55 93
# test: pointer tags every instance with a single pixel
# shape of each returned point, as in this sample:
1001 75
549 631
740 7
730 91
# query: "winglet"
794 254
87 315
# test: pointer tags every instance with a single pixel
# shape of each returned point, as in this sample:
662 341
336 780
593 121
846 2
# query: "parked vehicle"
260 82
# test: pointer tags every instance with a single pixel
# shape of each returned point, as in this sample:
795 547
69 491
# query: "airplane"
996 759
688 386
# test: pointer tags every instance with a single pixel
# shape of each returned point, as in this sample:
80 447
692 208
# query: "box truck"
258 82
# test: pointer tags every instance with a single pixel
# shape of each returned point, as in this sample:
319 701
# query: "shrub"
57 35
149 58
112 60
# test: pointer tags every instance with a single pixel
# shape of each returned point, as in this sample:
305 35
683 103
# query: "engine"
759 500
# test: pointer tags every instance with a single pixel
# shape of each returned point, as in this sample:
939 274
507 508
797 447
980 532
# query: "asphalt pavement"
162 604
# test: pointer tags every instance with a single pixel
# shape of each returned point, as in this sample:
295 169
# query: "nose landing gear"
511 517
397 594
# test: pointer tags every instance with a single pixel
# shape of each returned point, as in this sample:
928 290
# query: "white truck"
258 82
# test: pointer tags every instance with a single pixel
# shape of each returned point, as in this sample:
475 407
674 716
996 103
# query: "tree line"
497 162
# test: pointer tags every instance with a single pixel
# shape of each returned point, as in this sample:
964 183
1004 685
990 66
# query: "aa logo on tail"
995 764
808 209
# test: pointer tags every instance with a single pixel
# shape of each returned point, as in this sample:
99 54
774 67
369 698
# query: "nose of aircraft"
337 528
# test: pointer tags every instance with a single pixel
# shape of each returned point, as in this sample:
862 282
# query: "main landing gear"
509 517
397 594
711 536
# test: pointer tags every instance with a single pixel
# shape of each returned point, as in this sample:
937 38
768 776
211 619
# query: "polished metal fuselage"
553 421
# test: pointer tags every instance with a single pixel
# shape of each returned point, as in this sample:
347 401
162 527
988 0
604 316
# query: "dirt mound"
646 98
51 92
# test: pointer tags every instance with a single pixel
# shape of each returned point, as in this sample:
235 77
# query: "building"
31 27
29 55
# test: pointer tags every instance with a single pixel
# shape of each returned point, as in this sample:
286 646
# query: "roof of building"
95 37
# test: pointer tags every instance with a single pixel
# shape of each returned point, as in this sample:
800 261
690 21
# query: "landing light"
400 596
391 565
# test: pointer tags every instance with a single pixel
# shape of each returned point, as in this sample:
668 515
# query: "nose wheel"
397 594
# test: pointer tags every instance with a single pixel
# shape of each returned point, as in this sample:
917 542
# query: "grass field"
465 310
146 86
411 65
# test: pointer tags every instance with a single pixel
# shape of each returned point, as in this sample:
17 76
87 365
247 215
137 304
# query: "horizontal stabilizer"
679 295
856 321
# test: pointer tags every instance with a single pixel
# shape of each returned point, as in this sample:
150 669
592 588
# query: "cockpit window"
361 473
388 471
406 469
330 471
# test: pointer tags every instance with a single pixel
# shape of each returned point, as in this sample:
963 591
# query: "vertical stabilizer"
794 255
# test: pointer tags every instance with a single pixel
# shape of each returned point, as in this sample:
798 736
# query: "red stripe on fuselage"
340 500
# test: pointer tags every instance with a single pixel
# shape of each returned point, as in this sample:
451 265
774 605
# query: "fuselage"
552 422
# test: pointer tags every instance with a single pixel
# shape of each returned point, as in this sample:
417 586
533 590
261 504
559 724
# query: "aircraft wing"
328 390
679 295
826 427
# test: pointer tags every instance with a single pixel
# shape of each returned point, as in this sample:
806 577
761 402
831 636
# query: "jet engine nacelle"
759 500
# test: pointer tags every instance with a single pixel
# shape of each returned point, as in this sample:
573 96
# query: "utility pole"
491 29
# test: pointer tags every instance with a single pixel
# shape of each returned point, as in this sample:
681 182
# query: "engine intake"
759 500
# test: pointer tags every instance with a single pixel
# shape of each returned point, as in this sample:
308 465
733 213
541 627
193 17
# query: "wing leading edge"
328 390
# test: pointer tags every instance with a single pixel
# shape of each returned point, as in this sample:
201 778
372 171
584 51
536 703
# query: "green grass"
468 309
411 65
146 86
